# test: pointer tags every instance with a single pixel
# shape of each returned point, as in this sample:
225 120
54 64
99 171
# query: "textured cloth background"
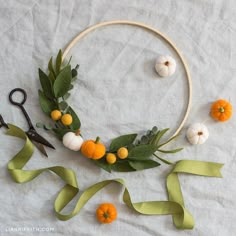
119 92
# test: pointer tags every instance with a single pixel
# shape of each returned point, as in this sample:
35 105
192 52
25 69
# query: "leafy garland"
54 94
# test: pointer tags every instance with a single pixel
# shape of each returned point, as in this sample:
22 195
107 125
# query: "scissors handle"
20 104
17 90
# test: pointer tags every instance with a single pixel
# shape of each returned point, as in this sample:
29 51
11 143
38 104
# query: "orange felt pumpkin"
106 213
221 110
93 149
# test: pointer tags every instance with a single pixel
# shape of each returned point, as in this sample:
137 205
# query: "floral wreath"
128 152
125 153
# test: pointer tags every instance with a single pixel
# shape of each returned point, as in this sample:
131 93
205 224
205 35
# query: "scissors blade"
2 122
41 148
34 136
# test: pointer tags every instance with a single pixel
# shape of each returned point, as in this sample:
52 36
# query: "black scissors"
37 139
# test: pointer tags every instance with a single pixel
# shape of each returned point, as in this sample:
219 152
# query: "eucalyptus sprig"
56 86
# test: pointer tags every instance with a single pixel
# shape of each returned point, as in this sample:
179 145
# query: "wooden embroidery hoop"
157 32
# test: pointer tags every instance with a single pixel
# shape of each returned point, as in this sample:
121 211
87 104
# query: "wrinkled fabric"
118 92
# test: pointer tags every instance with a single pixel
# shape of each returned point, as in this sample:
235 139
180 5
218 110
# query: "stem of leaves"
163 160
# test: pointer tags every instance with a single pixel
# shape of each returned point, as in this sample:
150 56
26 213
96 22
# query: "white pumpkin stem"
77 133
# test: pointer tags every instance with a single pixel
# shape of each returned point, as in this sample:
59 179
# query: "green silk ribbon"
175 206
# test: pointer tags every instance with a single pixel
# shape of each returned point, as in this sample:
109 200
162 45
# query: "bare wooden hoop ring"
144 26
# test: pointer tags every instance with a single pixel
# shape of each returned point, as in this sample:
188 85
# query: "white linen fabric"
119 92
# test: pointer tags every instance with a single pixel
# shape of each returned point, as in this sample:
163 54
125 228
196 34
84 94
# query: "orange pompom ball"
66 119
56 115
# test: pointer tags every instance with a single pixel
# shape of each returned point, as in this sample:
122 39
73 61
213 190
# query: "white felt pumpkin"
197 133
165 66
73 141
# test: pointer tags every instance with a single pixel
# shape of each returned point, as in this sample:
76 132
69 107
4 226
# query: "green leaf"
142 152
122 141
102 163
46 104
174 137
51 77
144 139
73 79
130 146
154 129
45 84
66 96
158 136
170 151
123 166
48 126
74 73
71 87
58 62
76 122
61 132
62 82
50 67
141 165
39 125
163 160
63 105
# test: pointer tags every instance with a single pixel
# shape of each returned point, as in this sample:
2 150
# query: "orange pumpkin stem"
106 215
77 133
221 109
97 140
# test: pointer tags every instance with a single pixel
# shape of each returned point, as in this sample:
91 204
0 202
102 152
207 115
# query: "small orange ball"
66 119
56 115
111 158
122 153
